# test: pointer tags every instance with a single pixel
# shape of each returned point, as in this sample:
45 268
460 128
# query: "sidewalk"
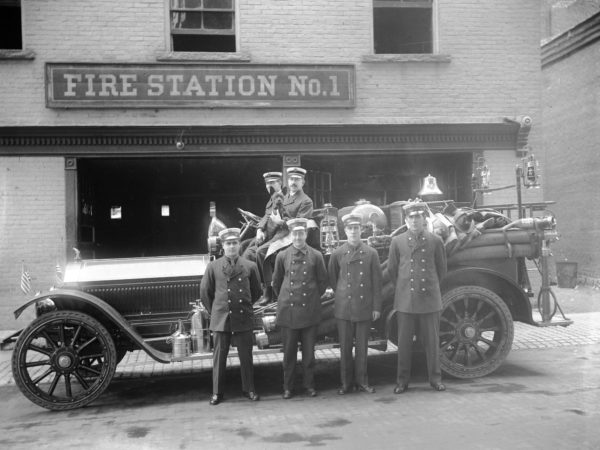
584 331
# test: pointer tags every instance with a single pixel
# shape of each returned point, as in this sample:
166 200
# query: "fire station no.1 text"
164 85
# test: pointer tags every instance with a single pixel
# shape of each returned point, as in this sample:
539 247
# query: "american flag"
59 273
25 280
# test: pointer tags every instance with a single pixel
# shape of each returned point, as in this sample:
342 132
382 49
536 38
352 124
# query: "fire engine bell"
430 186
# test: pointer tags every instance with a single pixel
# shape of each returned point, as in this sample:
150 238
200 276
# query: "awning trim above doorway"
161 140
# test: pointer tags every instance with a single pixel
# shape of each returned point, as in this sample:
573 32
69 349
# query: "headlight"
44 306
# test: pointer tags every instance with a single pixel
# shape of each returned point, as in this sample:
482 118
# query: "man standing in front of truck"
229 288
355 275
417 264
299 281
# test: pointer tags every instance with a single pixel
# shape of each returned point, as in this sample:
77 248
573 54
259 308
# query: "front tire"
64 360
476 332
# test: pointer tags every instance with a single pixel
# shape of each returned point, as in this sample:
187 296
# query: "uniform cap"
299 223
229 234
297 171
414 208
272 176
352 219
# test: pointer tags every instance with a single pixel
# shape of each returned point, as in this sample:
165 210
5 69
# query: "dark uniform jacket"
416 266
299 280
228 293
298 205
355 274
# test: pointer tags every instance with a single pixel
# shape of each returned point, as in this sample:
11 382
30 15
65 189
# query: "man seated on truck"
280 208
266 229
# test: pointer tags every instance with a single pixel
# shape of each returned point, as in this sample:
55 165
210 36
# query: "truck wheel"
476 332
64 360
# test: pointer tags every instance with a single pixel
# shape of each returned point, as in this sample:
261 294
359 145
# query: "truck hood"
135 268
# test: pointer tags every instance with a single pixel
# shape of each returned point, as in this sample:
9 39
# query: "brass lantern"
330 237
530 172
481 175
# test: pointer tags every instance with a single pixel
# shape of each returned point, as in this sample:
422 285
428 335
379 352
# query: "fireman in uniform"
417 264
268 227
299 280
295 203
355 275
229 288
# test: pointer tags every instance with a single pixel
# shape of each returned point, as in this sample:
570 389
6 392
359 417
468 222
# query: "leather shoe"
251 396
438 387
216 399
287 395
311 392
344 390
365 388
400 388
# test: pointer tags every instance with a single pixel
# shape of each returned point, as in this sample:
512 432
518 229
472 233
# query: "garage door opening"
132 207
160 206
383 179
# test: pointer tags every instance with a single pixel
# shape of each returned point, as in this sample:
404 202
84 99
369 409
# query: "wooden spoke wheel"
64 360
476 332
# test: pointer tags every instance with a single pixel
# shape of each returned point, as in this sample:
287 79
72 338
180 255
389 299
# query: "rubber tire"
504 341
96 389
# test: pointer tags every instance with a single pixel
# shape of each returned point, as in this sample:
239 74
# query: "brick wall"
32 228
494 70
571 137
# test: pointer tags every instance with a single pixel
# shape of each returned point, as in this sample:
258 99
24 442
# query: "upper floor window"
202 25
403 26
10 25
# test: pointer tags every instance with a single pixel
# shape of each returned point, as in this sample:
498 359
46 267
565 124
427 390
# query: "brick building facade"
571 129
456 93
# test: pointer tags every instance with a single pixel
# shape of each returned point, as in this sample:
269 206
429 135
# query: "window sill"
204 56
412 57
17 54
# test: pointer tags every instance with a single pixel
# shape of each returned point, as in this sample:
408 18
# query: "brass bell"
430 186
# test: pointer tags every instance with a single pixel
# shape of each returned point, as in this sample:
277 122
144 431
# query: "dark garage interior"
131 207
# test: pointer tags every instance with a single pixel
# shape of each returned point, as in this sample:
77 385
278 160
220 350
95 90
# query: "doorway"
133 207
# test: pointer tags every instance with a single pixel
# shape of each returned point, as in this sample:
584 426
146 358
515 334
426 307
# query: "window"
403 26
202 25
10 25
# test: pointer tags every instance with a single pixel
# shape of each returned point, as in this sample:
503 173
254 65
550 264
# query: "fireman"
269 225
299 281
229 288
355 274
295 203
417 264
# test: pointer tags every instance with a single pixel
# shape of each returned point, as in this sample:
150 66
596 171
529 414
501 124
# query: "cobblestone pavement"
584 330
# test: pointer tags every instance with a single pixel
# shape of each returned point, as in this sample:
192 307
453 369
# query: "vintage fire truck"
104 308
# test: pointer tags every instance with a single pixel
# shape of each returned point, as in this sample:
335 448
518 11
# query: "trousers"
353 334
290 338
243 341
429 326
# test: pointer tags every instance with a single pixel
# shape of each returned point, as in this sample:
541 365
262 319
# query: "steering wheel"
250 220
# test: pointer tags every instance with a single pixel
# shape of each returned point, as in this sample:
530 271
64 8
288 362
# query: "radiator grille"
148 298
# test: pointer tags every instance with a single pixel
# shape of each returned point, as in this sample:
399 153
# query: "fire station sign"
198 86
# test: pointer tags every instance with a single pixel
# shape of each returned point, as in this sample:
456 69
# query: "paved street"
547 394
